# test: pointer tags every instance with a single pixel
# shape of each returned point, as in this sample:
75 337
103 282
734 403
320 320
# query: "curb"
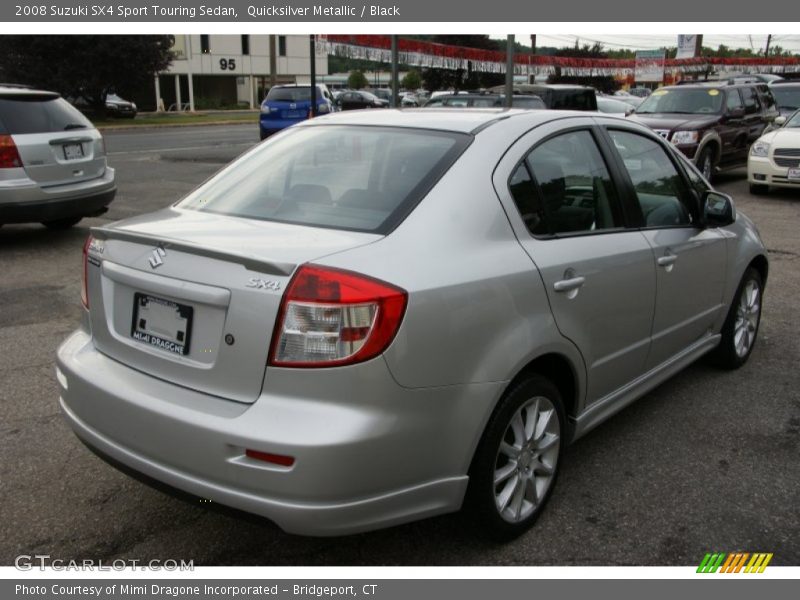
171 125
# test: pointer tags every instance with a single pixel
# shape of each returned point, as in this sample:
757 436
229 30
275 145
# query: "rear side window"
293 94
564 187
342 177
573 100
40 114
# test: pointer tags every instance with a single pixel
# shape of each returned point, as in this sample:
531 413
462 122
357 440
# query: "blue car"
286 105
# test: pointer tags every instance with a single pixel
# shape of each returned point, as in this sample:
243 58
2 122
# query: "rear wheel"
516 464
62 223
758 188
741 325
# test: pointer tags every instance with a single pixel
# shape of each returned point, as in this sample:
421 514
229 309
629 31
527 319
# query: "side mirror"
779 121
718 209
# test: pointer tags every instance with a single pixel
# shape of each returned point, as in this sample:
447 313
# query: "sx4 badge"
263 284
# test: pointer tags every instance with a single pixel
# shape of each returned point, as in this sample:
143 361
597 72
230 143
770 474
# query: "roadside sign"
649 66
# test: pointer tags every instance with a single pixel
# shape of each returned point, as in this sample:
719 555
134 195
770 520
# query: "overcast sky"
653 41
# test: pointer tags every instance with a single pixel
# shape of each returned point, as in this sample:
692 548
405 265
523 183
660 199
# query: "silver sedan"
380 316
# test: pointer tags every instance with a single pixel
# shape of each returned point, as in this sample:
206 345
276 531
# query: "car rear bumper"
24 201
762 171
366 457
272 125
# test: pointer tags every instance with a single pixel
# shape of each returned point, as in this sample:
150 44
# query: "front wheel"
516 464
705 162
741 325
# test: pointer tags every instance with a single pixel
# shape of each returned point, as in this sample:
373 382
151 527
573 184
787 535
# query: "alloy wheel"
747 316
526 460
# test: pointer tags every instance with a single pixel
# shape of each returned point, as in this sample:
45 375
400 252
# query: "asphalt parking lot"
706 462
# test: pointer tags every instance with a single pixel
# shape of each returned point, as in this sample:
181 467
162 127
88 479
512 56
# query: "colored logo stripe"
734 562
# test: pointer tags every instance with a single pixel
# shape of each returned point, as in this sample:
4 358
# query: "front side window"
751 104
563 187
342 177
734 101
655 179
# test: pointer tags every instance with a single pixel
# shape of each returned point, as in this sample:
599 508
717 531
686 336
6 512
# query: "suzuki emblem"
156 257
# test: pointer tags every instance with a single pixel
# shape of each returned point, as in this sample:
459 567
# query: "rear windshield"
39 114
292 94
344 177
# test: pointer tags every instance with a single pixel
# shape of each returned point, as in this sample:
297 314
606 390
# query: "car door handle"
567 285
667 260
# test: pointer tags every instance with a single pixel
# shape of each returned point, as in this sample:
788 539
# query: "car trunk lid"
192 298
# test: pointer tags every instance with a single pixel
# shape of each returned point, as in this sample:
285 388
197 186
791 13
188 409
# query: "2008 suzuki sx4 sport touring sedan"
378 316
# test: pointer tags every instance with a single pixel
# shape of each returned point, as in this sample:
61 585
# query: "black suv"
713 124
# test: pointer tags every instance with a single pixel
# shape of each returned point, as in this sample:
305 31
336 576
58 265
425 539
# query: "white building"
216 71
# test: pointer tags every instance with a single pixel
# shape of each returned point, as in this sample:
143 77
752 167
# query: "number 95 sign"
227 64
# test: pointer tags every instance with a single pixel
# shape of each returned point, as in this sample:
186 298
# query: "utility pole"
395 75
533 43
273 62
766 50
312 44
509 69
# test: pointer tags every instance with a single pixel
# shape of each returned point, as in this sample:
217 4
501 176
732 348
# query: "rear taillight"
329 317
9 157
84 284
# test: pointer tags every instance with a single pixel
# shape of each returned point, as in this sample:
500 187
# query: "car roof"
14 89
467 120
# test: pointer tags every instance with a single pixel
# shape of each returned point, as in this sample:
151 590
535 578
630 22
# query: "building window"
281 45
245 45
204 44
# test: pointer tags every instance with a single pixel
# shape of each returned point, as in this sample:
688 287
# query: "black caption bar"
396 11
437 589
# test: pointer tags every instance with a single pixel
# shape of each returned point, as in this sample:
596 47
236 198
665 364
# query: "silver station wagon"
379 316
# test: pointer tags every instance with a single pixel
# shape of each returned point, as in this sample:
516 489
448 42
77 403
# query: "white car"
774 158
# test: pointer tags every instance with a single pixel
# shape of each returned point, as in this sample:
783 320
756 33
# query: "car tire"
741 325
758 189
62 223
705 163
516 464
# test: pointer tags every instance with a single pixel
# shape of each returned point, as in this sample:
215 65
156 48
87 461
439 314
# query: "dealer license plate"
73 151
162 324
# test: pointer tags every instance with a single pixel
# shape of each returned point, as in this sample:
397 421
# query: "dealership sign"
686 46
649 66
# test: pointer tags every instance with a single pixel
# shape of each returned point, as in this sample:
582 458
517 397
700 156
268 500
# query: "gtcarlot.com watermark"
28 562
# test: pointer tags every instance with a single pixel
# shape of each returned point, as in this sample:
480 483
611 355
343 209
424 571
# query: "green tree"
87 65
357 80
412 80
